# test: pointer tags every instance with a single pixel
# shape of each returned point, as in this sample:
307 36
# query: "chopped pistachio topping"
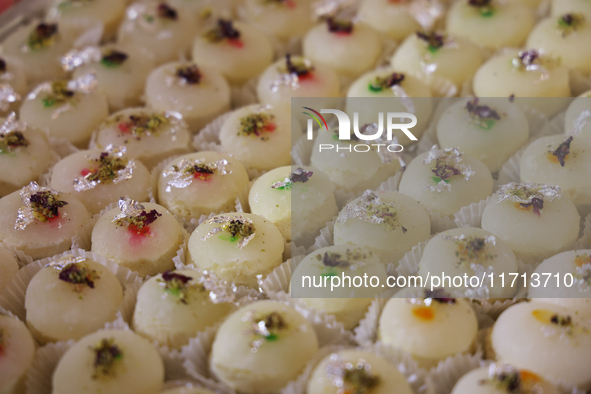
287 3
106 357
113 167
350 259
472 249
370 208
434 40
339 25
142 124
181 175
9 142
113 58
299 175
444 164
240 228
508 379
59 94
189 75
532 60
554 324
166 12
224 30
383 82
561 152
484 6
78 274
482 115
256 124
43 36
528 195
569 23
296 65
180 286
38 203
351 377
266 327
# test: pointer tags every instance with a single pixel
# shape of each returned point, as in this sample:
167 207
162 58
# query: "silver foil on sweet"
76 58
220 291
385 155
180 178
7 96
299 175
26 214
489 239
524 193
66 260
129 209
336 370
223 219
450 157
583 278
405 99
333 8
11 124
361 208
84 183
482 288
582 121
524 61
286 79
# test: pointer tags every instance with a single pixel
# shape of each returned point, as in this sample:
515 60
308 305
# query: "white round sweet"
143 238
545 339
577 119
99 177
262 346
161 32
502 379
237 50
536 221
18 351
572 267
561 161
295 76
8 268
25 154
386 223
121 75
392 18
470 251
39 47
445 180
199 94
78 13
258 136
431 328
173 307
189 389
236 247
564 37
352 171
347 303
337 42
561 7
491 130
297 202
356 371
406 93
201 183
41 233
434 58
110 361
70 299
285 19
149 136
493 25
67 109
525 75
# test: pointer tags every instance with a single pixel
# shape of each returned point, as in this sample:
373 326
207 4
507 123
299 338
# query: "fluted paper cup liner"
279 279
13 299
301 151
391 184
245 94
324 239
444 377
62 147
440 222
40 374
409 264
173 362
21 257
365 334
471 215
208 139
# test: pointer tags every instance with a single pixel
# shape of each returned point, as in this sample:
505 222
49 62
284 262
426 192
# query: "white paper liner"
440 222
62 147
301 151
365 334
324 239
208 139
13 299
243 95
444 377
392 183
279 279
471 215
39 376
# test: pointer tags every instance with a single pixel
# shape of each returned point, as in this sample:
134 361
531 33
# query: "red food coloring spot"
139 230
270 127
86 171
125 127
237 43
290 4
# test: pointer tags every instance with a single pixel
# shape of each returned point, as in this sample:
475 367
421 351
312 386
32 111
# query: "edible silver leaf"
129 209
83 183
76 58
524 193
26 213
223 219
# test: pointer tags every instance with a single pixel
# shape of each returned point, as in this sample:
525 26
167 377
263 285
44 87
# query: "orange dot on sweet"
425 313
542 315
582 260
529 377
521 207
554 159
